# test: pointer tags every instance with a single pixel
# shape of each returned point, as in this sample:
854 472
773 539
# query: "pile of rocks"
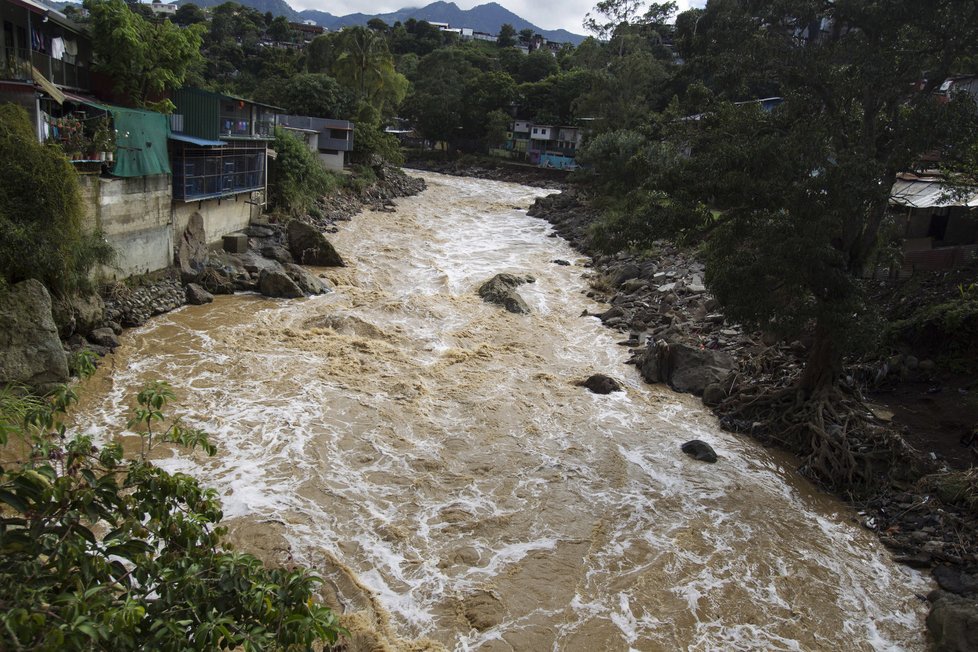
345 203
127 306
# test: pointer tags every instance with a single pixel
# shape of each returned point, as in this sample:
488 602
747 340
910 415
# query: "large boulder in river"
953 622
601 384
501 290
196 295
30 349
700 450
310 247
276 283
192 250
306 280
683 367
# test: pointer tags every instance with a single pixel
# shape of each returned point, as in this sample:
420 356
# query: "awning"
48 87
193 140
931 193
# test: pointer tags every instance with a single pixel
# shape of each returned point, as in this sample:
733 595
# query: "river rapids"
432 457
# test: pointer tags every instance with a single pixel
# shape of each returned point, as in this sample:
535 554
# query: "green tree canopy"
42 234
364 64
144 59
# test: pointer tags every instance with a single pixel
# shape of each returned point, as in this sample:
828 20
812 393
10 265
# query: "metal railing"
16 64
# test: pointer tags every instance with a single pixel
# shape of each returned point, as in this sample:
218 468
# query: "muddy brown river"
434 451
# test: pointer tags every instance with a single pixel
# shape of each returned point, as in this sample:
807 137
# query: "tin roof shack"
329 139
43 54
219 153
938 221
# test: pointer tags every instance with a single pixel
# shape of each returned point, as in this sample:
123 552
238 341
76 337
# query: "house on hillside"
44 53
219 154
119 152
331 140
306 31
548 146
938 222
163 10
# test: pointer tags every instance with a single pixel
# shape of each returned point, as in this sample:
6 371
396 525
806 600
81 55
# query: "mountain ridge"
487 17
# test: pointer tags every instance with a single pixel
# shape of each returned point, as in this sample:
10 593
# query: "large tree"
789 203
365 65
144 59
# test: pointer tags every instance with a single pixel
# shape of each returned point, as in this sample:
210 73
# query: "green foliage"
296 177
102 552
365 65
144 59
369 140
313 94
789 202
41 231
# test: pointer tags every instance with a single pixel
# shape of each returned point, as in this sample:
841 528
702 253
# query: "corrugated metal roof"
184 138
930 193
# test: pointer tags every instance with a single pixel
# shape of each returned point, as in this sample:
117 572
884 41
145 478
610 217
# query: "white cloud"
546 14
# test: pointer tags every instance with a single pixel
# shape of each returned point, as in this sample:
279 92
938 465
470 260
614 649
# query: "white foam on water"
450 451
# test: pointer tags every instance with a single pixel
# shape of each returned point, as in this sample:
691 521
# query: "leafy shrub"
41 230
369 140
101 552
296 177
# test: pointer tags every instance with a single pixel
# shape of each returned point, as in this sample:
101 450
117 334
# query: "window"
206 172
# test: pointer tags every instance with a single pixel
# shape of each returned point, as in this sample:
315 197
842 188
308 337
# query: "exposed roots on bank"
841 443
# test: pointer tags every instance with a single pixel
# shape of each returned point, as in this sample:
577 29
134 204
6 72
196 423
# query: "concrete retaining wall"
142 222
134 215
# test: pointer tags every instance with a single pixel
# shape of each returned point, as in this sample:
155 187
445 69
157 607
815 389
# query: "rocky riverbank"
266 257
493 170
679 336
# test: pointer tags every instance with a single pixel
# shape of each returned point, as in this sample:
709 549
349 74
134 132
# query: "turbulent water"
436 450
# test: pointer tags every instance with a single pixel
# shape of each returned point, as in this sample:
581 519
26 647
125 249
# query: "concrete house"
330 139
119 152
43 53
219 154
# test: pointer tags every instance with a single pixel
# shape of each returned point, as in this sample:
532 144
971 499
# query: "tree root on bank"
843 446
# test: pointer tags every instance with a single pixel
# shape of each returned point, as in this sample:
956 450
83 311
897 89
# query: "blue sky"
547 14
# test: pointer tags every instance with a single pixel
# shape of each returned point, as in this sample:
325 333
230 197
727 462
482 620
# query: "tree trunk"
824 365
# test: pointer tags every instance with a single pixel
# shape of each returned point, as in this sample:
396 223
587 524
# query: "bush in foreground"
102 552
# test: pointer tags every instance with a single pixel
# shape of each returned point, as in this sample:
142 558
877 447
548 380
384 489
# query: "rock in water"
30 350
197 296
278 284
501 290
310 247
307 282
104 337
601 384
700 450
953 623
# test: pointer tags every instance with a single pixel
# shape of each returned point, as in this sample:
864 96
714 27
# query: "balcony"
16 65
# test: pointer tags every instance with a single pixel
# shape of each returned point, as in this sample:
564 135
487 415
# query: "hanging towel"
58 48
71 47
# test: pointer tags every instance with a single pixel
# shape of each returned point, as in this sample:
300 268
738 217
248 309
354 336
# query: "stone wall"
134 214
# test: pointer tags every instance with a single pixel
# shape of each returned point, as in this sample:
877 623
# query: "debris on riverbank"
925 512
